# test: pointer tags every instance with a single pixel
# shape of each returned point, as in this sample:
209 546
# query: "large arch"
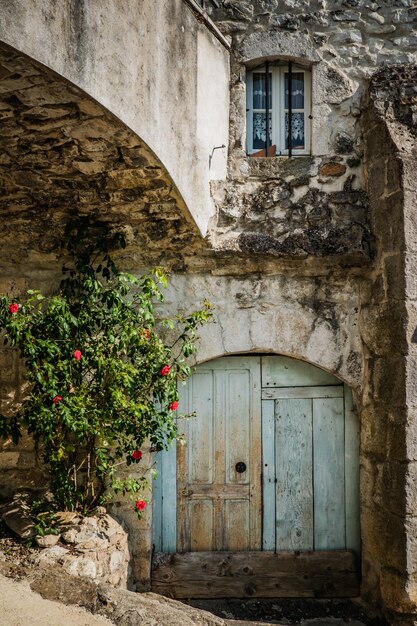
65 156
115 52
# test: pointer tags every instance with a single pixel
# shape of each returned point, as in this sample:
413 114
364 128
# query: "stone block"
388 223
376 177
411 329
398 593
376 17
410 276
47 541
383 328
54 554
346 16
141 573
394 277
383 371
383 537
332 169
117 559
81 567
395 489
394 174
384 434
372 290
17 515
409 173
28 459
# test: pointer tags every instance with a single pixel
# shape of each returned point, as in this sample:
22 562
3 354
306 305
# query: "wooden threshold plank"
319 574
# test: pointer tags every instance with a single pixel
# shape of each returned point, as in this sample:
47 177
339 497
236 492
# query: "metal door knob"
240 467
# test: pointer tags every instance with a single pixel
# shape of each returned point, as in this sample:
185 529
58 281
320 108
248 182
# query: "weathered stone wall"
309 319
388 323
310 206
317 206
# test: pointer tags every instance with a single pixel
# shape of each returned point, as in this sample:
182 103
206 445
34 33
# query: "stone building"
293 215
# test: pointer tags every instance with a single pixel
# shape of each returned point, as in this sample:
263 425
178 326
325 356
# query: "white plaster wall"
212 96
152 64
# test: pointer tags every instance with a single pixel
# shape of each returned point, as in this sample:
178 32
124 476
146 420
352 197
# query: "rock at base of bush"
95 548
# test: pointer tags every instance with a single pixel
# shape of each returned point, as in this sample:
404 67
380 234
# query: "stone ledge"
119 606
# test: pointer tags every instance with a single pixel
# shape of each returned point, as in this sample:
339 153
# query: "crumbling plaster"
318 207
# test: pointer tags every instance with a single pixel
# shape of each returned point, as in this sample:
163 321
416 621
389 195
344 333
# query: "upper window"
277 124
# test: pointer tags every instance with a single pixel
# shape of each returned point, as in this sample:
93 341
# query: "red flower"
13 308
57 399
165 370
77 354
174 406
140 505
146 334
137 455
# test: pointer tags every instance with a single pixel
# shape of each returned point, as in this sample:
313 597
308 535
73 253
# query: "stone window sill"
274 166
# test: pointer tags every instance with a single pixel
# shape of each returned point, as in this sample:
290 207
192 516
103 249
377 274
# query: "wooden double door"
268 469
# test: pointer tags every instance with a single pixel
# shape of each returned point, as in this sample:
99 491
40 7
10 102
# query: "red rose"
57 399
165 370
146 334
77 354
13 308
137 455
140 505
174 406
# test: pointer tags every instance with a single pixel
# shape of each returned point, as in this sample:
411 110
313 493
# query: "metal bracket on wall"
212 152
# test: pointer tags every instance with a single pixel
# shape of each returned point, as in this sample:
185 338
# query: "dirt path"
20 606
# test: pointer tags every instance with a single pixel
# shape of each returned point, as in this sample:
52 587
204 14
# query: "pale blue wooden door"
208 495
310 459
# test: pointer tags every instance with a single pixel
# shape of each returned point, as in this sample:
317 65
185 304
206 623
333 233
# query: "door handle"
240 467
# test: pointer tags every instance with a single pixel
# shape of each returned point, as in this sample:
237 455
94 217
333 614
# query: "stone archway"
63 156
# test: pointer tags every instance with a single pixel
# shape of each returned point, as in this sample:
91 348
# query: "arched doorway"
266 487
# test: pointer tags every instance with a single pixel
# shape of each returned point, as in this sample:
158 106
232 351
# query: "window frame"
278 109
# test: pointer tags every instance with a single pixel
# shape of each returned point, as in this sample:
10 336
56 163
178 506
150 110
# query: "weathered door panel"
293 466
329 473
315 460
283 371
219 507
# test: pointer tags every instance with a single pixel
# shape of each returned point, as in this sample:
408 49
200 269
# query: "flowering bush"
102 377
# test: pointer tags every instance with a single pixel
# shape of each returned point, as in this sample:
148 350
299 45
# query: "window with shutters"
278 124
